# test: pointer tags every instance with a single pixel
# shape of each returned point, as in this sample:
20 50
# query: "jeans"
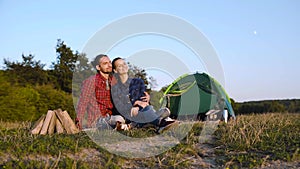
109 121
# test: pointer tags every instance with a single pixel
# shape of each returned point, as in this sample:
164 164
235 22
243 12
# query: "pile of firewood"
55 121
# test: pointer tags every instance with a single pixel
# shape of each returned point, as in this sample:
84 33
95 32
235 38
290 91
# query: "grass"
250 141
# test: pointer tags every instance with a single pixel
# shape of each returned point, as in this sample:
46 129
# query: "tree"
64 66
276 107
164 88
135 71
234 105
82 71
26 72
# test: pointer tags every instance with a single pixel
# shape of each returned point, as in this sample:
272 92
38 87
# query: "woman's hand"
141 103
134 111
146 98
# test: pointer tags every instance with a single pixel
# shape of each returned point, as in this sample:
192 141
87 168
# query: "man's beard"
106 72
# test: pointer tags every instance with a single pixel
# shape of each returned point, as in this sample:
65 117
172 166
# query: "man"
95 98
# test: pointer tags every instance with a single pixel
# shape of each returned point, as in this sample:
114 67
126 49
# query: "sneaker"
168 119
165 125
163 113
122 127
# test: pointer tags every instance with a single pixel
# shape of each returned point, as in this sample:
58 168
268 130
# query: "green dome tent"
193 95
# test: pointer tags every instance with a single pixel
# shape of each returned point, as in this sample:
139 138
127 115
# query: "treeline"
267 106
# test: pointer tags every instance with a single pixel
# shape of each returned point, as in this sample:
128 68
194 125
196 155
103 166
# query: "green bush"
51 99
28 103
19 104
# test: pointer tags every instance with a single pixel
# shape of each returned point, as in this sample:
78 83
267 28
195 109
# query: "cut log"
52 124
66 121
61 118
38 125
59 127
71 124
45 127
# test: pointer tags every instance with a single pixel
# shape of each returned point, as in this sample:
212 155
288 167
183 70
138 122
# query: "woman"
123 106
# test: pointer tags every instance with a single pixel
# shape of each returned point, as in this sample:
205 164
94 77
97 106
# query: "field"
270 140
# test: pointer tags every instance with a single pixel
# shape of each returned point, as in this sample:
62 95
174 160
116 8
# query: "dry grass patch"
253 140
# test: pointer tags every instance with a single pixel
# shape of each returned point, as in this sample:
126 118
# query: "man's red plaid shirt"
95 100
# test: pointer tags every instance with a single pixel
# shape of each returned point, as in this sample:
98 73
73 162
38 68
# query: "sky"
256 42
